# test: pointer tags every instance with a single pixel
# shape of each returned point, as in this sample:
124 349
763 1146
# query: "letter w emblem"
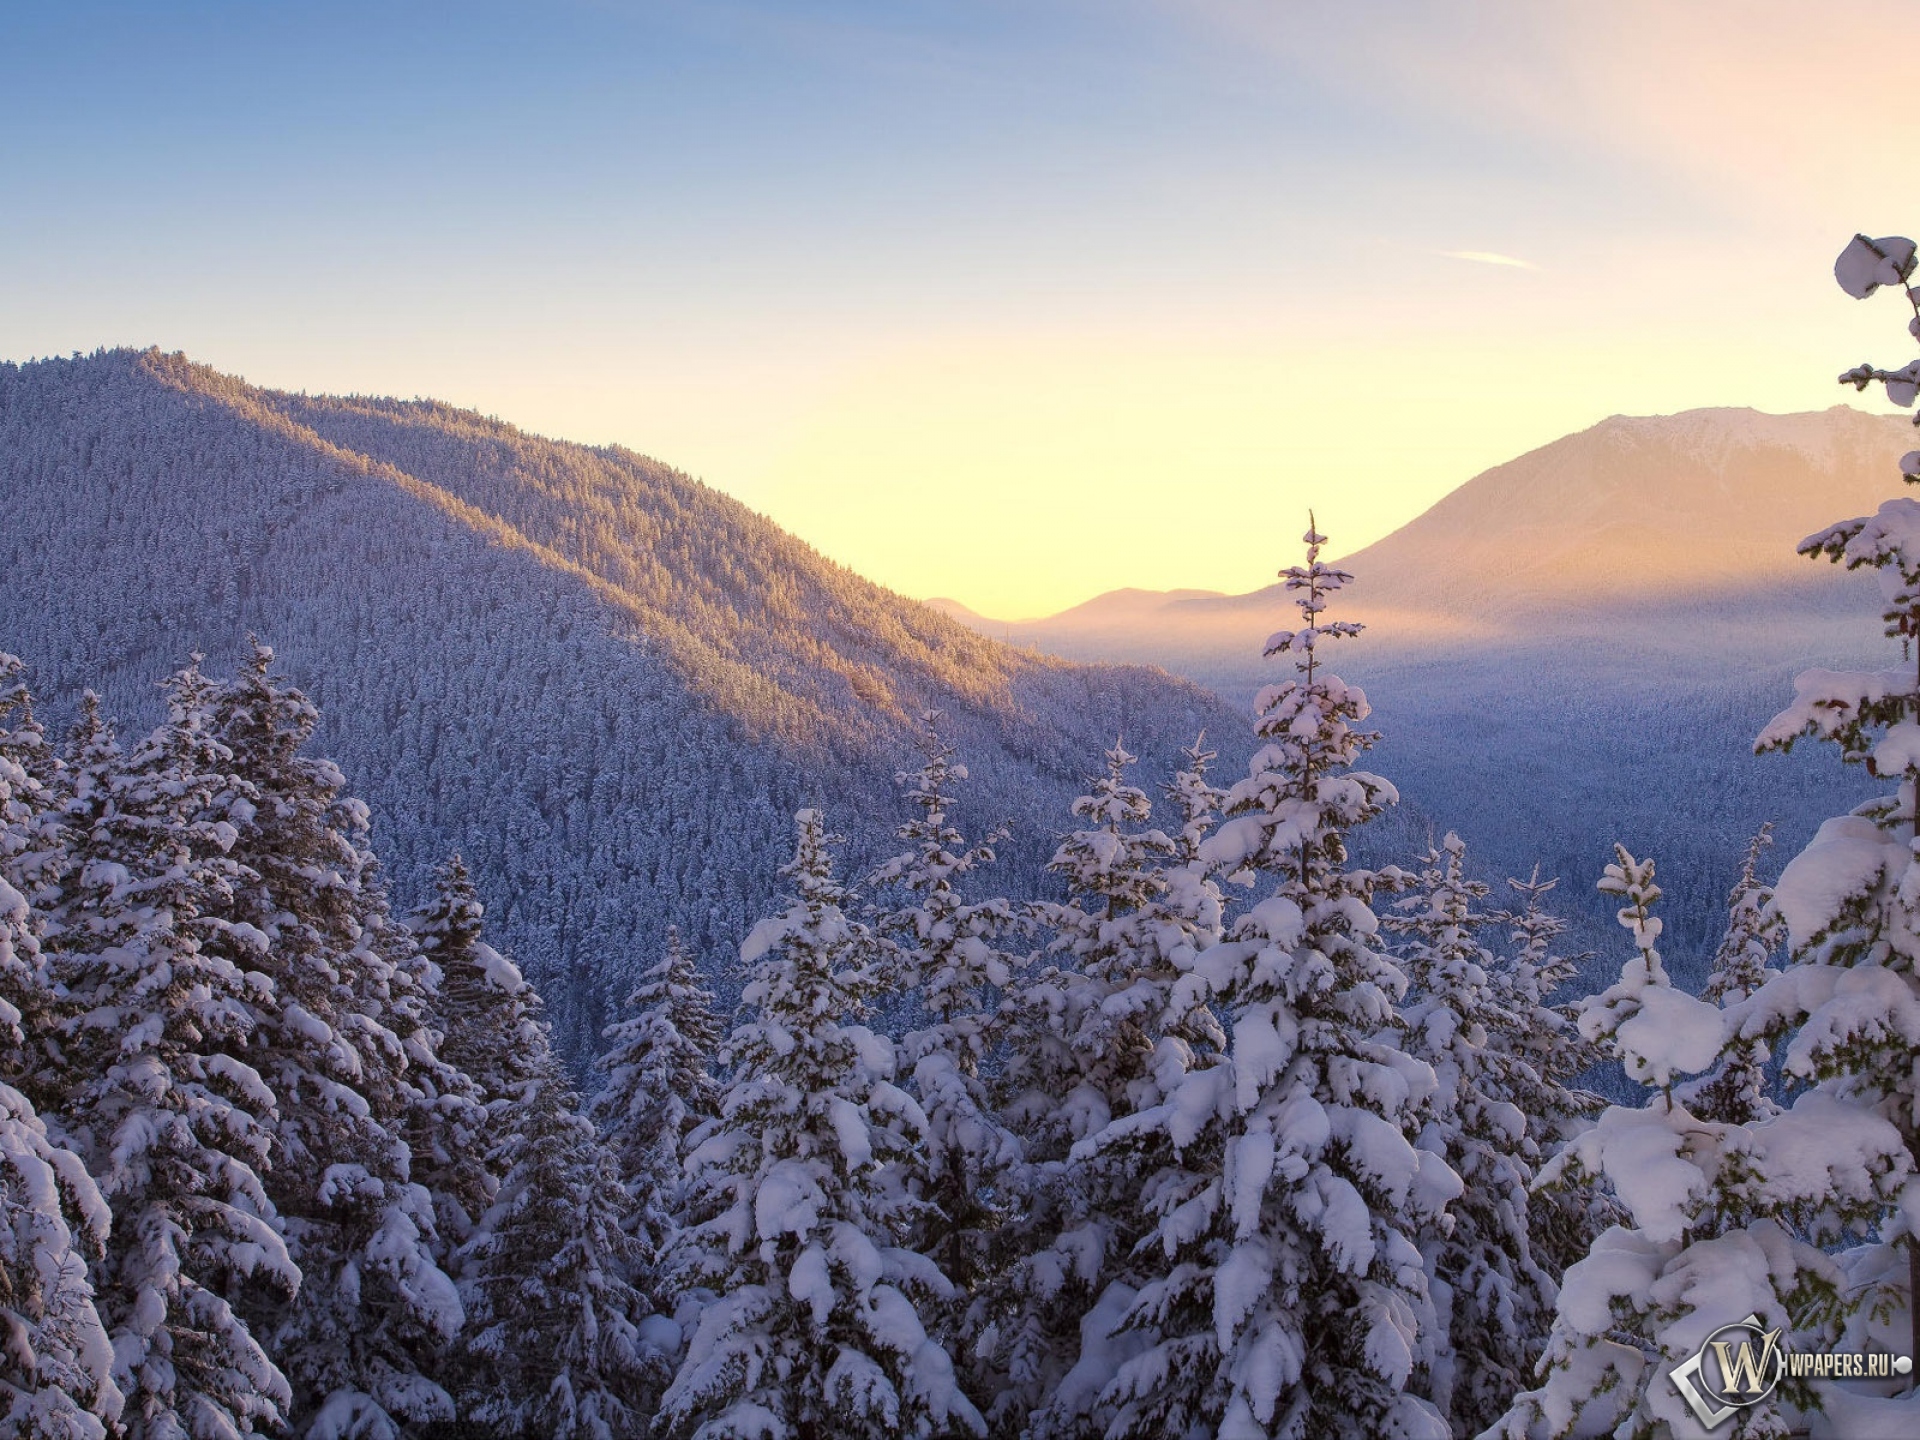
1741 1371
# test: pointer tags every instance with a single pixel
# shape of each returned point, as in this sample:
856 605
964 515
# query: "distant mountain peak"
1707 502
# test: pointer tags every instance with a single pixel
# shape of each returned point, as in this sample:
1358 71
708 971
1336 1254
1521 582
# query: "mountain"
1578 646
1652 516
604 683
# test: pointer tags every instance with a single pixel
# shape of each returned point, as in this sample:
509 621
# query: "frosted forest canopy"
1230 1135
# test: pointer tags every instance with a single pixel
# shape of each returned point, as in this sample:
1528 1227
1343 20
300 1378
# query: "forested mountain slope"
605 684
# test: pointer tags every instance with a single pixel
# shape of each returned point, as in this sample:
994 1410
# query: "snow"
1846 1414
1249 1168
810 1284
1865 265
788 1200
1849 857
1671 1034
1241 1282
1104 1348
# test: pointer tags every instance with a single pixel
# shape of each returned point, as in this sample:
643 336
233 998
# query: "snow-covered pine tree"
1287 1295
1735 1090
1545 1055
1841 1016
487 1012
1716 1223
943 951
29 823
659 1087
30 843
1187 913
800 1203
478 1015
23 740
340 1045
174 1126
56 1362
553 1315
1490 1293
1073 1054
1095 1035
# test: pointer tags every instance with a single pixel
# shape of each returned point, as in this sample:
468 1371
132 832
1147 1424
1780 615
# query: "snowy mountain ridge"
608 686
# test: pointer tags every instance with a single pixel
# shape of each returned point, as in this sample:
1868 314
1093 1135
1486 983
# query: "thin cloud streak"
1489 257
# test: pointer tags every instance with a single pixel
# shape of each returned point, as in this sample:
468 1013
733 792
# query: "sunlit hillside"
606 684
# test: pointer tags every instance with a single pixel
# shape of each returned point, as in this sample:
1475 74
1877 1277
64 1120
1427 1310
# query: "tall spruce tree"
476 1016
659 1088
1083 1038
800 1201
1099 1031
340 1046
1735 1091
945 952
31 860
56 1362
488 1012
1544 1056
554 1316
1838 1017
1286 1294
30 838
1491 1293
175 1126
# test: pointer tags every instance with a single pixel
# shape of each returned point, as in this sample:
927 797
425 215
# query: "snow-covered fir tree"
1491 1295
944 952
488 1013
659 1086
1074 1052
555 1321
1717 1217
1841 1016
56 1362
1735 1090
1187 911
1286 1294
174 1125
478 1014
800 1202
30 861
1544 1055
1096 1033
29 820
340 1046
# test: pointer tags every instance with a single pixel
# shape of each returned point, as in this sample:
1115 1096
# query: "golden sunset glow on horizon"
1007 304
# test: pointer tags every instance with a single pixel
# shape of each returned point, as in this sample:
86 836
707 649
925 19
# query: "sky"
1012 303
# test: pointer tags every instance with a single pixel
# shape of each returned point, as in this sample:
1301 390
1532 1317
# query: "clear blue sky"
1106 290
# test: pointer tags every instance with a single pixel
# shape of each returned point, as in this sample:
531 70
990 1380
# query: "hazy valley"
1579 647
